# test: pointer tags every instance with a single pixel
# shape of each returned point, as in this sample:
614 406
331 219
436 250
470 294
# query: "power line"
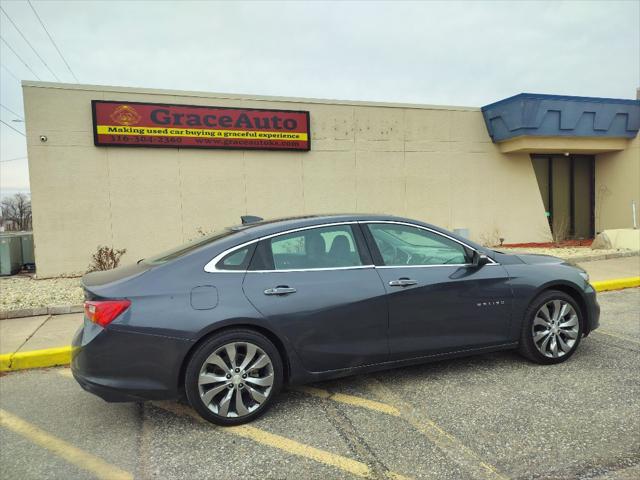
19 57
11 111
52 41
10 73
29 43
12 159
14 129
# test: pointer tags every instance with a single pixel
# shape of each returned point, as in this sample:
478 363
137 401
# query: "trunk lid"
96 284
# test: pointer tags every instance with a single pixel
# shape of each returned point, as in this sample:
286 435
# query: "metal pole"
633 210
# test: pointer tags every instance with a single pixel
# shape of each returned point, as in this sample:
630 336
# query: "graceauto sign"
133 124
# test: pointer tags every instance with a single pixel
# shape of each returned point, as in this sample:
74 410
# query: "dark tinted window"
237 260
323 247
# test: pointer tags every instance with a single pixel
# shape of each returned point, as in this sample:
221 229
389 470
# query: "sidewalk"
42 341
19 335
614 268
35 333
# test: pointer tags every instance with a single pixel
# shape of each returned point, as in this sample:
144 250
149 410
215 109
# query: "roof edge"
570 98
235 96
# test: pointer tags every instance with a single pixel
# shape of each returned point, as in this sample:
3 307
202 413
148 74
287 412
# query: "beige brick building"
446 165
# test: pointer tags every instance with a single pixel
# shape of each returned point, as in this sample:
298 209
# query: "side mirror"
479 259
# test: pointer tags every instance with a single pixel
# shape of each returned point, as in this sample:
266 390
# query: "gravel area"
20 292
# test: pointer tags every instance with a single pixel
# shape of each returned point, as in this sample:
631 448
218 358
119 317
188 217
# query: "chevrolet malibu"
229 319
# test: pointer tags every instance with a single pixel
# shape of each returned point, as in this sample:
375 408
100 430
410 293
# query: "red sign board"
183 126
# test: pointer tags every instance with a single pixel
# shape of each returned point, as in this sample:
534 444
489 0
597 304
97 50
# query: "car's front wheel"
552 328
233 376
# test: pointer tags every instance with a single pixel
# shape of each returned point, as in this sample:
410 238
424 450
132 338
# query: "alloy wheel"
236 379
555 328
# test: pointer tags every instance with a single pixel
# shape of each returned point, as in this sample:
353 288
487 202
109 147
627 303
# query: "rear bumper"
120 366
108 394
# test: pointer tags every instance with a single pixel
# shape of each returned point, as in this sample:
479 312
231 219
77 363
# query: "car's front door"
318 287
438 302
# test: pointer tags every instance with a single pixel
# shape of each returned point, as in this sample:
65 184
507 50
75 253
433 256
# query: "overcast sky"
455 53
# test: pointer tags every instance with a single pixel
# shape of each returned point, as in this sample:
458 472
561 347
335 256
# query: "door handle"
402 282
280 290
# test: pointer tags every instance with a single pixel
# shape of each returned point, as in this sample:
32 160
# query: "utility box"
28 257
10 254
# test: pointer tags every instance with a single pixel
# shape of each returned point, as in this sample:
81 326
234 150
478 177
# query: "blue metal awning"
532 114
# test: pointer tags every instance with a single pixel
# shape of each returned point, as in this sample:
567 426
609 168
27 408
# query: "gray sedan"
227 320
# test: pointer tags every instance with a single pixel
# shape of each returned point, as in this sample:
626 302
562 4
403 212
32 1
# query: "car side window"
236 260
323 247
406 245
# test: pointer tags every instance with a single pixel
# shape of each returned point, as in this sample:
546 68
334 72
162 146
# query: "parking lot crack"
29 337
443 440
143 443
355 442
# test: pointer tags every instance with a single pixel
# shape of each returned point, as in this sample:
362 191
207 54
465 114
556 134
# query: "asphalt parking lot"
494 416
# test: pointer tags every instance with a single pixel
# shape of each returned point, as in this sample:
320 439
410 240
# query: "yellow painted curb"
49 357
616 284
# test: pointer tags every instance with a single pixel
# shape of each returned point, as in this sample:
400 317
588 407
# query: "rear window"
238 259
187 248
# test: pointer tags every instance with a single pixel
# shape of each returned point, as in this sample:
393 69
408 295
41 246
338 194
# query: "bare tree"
16 212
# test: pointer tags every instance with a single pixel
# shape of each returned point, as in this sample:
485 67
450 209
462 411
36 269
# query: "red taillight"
103 312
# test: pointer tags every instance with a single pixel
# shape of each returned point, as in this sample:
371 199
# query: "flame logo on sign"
125 115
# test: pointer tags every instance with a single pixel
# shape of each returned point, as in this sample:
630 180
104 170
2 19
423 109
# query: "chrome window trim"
394 222
355 267
436 265
210 267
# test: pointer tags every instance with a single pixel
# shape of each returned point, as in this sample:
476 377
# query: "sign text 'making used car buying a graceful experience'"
184 126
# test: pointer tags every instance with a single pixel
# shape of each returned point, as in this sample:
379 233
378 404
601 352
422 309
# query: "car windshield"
186 248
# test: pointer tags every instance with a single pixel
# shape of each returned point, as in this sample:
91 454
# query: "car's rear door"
438 302
318 287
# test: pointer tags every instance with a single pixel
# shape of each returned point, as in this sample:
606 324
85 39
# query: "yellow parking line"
71 454
290 446
302 450
349 399
447 443
437 435
605 332
282 443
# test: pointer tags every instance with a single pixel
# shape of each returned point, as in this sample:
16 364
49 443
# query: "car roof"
286 223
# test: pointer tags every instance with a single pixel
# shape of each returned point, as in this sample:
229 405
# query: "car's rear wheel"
552 328
232 378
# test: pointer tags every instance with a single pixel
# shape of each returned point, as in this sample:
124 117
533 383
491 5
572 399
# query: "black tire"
527 347
210 346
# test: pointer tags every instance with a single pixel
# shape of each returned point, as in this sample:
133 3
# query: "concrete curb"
49 357
53 357
616 284
604 256
578 258
34 312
